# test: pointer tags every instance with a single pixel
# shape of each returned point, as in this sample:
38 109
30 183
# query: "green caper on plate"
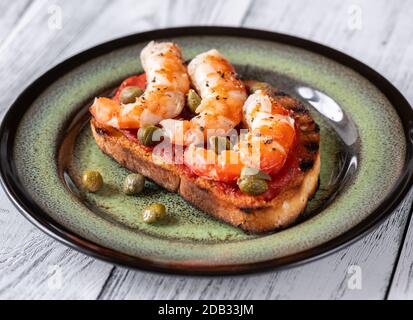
252 186
129 94
92 180
133 184
153 213
149 135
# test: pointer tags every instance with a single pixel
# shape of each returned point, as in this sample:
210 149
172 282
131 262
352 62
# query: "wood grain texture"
401 286
10 18
28 257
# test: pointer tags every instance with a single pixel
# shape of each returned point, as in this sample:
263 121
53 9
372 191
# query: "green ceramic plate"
366 156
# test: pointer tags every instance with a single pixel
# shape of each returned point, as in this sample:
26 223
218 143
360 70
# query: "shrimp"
222 98
270 137
164 97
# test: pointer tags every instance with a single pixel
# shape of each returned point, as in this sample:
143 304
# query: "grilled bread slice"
255 214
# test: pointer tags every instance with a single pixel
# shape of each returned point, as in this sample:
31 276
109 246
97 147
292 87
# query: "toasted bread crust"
252 214
249 213
134 157
278 213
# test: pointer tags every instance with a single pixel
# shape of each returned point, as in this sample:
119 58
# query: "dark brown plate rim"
30 210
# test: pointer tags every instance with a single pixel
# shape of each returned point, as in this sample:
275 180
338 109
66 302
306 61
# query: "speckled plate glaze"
366 156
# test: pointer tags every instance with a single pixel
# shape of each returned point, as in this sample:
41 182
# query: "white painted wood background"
28 47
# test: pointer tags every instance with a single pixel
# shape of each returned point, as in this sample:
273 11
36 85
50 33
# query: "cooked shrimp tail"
270 137
222 94
164 97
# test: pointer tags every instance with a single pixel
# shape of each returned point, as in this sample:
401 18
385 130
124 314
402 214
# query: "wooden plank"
10 16
376 253
401 287
32 263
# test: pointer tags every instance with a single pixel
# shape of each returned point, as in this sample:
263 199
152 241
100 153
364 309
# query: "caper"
92 180
252 172
149 135
252 186
218 144
193 100
259 86
153 213
133 184
129 94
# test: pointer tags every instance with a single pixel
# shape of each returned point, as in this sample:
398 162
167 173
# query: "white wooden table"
32 265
